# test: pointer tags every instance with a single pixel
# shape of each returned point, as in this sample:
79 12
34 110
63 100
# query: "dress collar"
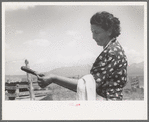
109 43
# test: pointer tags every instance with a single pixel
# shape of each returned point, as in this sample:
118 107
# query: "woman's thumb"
39 78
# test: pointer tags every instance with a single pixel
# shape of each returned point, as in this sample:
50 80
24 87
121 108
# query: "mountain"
136 69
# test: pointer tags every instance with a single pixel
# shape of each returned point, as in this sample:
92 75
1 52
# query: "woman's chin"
99 44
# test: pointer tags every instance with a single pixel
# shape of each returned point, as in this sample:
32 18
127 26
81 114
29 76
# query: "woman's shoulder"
114 48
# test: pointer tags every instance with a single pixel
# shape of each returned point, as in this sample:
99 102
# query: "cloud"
62 60
134 56
7 46
72 44
42 33
74 34
18 32
41 61
82 58
71 32
15 61
38 42
16 6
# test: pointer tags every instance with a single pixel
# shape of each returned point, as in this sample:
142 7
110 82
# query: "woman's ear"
110 32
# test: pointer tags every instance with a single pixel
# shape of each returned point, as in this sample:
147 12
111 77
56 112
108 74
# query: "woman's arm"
60 80
66 82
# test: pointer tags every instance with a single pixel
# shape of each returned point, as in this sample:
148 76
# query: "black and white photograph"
74 55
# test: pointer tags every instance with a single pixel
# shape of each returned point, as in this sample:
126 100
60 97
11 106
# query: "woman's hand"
44 80
40 74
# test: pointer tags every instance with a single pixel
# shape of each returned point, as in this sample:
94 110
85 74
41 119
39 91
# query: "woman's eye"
96 32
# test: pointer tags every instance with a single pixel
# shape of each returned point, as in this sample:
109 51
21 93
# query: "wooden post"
17 90
31 89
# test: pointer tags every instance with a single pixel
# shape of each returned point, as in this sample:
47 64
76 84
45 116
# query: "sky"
53 36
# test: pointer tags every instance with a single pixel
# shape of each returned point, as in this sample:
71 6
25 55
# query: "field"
58 93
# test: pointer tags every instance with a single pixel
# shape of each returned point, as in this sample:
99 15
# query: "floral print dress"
110 71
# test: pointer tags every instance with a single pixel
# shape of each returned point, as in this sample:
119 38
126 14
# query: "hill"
136 69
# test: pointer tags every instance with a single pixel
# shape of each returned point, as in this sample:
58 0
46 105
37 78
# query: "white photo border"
67 110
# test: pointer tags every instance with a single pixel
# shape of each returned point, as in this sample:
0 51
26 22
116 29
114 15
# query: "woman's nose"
94 36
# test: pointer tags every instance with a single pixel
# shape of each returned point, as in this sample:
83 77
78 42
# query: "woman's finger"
39 78
40 74
41 85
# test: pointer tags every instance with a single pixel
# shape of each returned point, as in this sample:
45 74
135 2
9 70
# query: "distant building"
24 79
134 82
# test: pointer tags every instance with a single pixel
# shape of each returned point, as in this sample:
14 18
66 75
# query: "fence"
13 91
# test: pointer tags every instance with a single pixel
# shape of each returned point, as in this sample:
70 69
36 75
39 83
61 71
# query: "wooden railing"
20 90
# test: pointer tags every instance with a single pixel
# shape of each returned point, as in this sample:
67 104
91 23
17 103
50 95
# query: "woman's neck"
107 43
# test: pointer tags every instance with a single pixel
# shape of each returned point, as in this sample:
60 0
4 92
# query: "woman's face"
100 35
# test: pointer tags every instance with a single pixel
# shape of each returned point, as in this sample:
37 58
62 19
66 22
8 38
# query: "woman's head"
107 22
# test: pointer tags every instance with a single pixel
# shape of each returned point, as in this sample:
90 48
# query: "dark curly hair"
106 21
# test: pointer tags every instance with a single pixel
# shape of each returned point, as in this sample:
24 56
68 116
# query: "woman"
109 69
